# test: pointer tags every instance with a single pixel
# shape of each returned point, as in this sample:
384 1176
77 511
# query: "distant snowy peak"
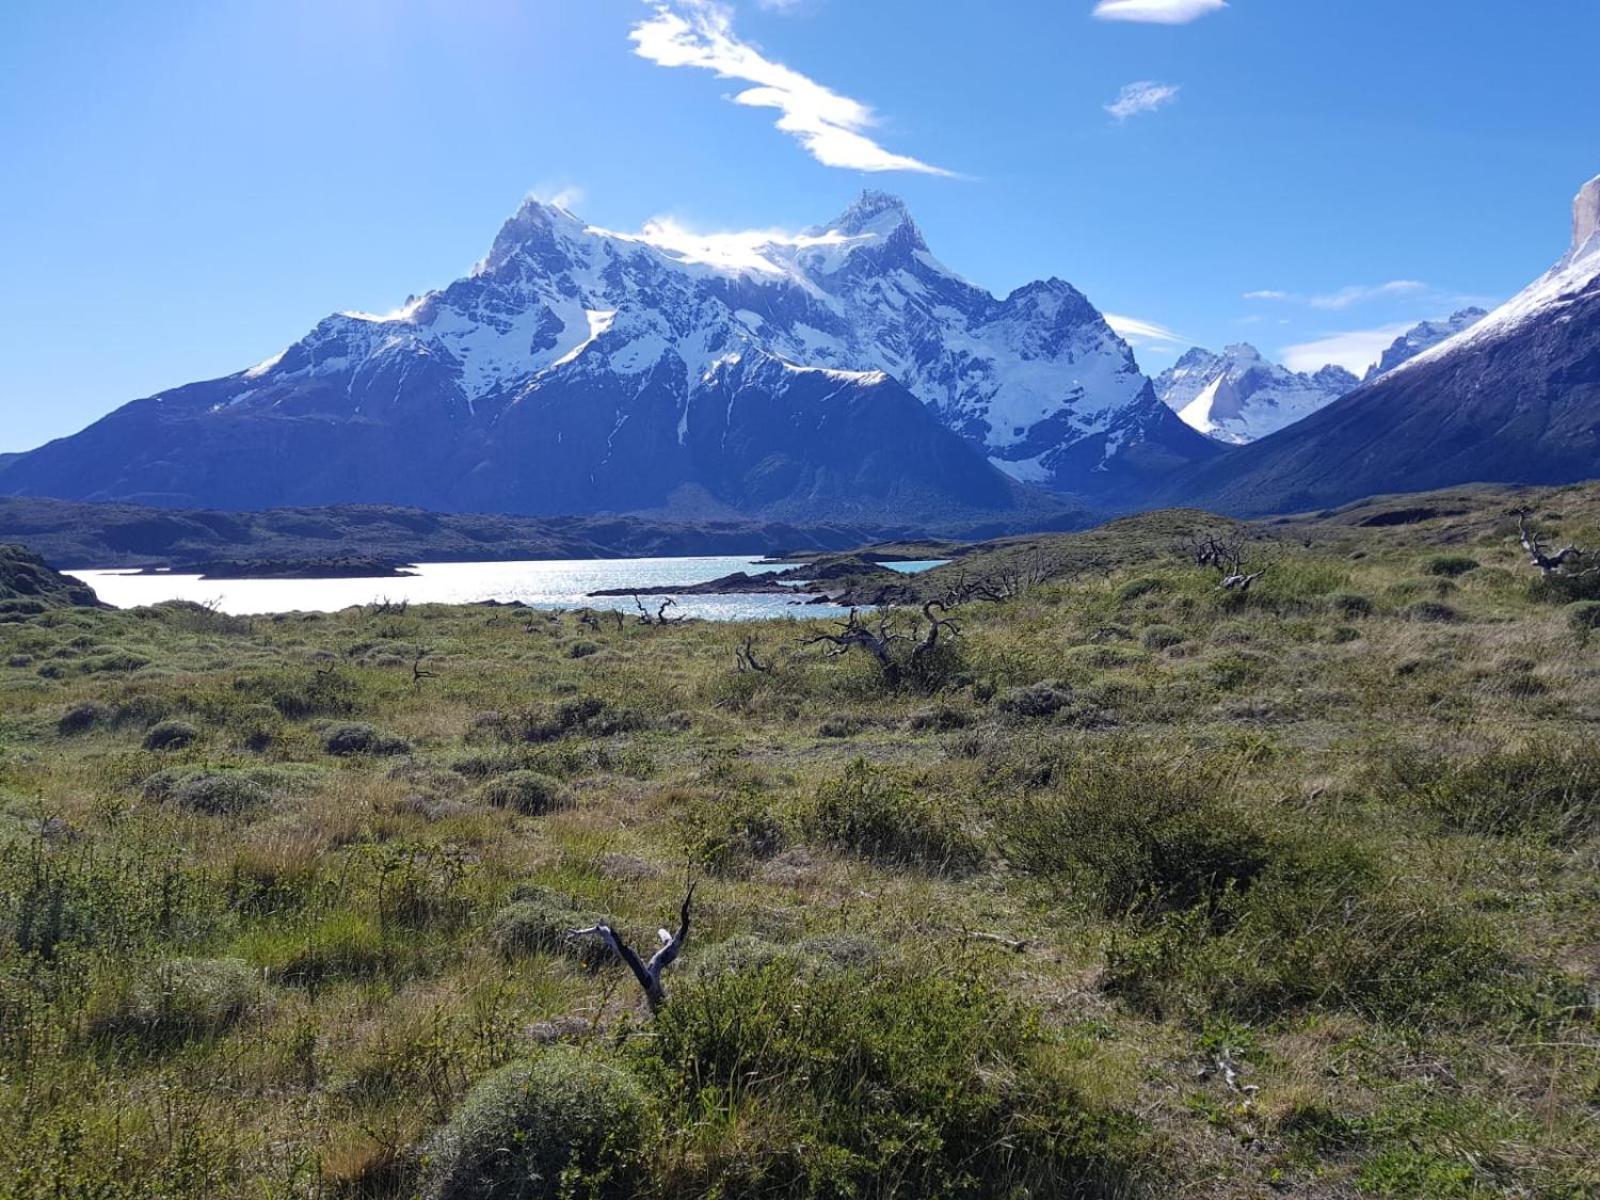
1562 285
1421 338
1238 396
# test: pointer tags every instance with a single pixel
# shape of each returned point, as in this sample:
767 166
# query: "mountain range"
1512 398
843 373
1239 397
840 375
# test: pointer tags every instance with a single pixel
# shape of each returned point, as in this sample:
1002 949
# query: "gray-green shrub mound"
531 793
566 1123
179 999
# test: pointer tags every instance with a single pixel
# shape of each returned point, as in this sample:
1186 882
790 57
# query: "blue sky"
191 185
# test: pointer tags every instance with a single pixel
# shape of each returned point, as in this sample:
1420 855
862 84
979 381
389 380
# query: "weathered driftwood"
647 973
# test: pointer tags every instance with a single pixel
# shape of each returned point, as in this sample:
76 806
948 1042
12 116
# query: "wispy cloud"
832 127
1354 350
1345 297
1143 97
1144 334
1157 12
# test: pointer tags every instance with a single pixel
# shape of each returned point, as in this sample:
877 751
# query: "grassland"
1135 887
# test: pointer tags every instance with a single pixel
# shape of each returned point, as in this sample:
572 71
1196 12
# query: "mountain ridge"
580 370
1514 398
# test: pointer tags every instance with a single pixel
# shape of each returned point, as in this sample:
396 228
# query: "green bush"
1450 566
1163 637
170 735
178 999
1351 605
1549 790
345 740
217 793
877 814
1565 589
1135 836
1036 701
927 1078
1583 618
538 921
566 1123
726 830
531 793
81 718
1389 954
1432 612
301 695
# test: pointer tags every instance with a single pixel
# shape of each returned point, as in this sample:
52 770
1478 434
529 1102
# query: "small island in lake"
293 568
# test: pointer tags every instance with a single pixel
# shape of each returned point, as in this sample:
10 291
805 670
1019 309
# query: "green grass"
986 929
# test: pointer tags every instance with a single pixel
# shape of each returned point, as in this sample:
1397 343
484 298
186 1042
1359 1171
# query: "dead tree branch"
930 640
854 634
745 657
417 673
660 616
647 973
1548 564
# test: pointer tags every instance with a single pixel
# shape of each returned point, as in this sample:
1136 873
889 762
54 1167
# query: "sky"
189 185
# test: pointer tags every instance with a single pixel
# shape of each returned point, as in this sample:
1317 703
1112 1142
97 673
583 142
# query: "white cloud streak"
1157 12
1143 97
1354 350
1346 297
1146 334
831 127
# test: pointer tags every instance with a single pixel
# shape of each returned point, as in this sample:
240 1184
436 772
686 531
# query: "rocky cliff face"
580 370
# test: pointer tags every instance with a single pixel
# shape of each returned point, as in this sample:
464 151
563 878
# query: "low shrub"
170 735
1392 955
538 921
345 740
1134 836
1549 790
1036 701
531 793
1450 566
929 1078
81 718
877 814
178 999
1431 611
1583 618
728 829
1163 637
583 649
1565 589
217 793
565 1123
1351 605
299 695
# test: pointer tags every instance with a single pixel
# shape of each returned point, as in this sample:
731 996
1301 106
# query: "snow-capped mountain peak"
1576 272
1423 337
1238 396
1037 381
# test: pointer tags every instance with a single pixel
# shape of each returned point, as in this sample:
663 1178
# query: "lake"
542 584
